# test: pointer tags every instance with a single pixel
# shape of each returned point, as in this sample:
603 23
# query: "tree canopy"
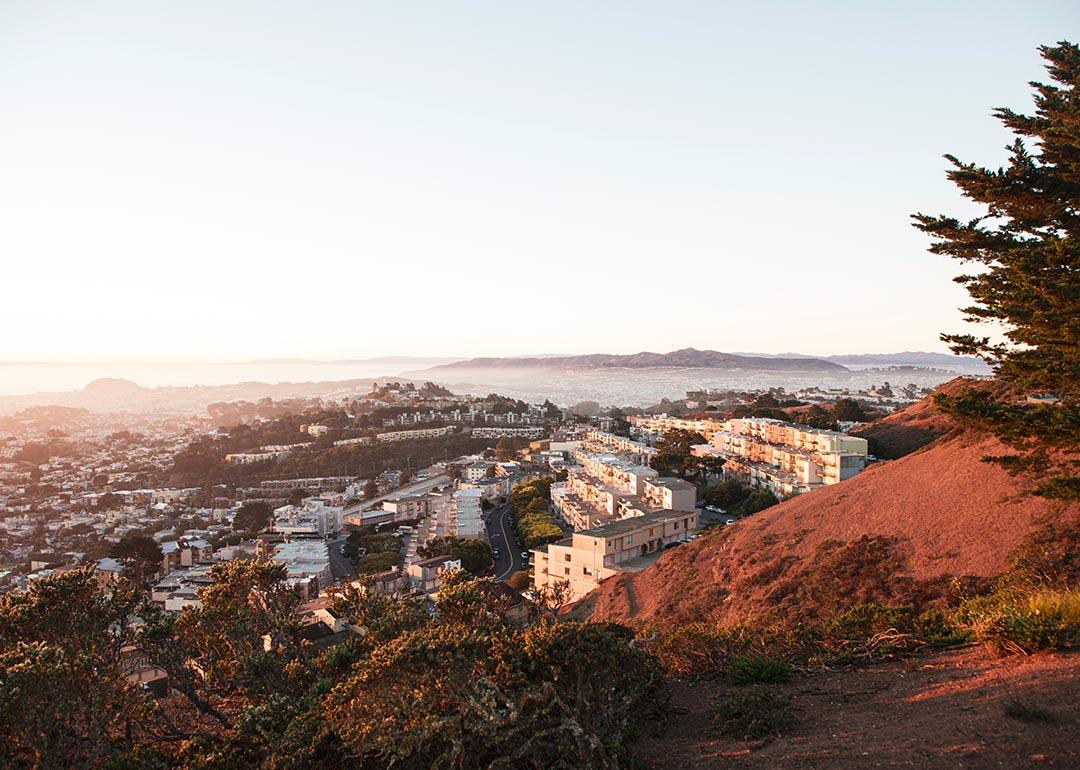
1027 285
253 516
461 687
475 555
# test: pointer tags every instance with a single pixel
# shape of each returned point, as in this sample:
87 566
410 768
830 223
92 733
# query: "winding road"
502 536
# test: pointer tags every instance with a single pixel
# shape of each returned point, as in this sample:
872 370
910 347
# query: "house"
426 575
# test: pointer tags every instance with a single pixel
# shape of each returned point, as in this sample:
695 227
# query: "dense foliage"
1028 282
460 688
475 555
536 525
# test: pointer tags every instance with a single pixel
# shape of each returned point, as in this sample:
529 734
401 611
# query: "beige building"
785 458
605 488
584 559
426 575
602 441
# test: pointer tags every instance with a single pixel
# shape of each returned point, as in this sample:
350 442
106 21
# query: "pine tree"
1028 284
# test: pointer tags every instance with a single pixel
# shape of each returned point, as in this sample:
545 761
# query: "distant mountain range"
692 358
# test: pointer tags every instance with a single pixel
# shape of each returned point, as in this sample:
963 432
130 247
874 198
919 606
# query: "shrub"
940 630
1026 711
862 621
756 712
1018 619
755 669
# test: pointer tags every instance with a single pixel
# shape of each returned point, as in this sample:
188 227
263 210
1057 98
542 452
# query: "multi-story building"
314 517
652 427
307 563
530 433
412 435
465 513
602 441
426 575
584 559
785 458
603 488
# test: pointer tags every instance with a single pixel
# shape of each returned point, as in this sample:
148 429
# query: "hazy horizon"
21 378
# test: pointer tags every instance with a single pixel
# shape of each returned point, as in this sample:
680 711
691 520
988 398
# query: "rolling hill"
901 531
686 358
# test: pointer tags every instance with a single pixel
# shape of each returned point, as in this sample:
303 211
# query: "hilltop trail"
944 710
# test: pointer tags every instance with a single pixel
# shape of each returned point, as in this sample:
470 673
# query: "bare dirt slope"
945 710
899 531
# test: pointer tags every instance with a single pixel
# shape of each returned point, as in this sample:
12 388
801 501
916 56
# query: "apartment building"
358 441
602 488
415 433
584 559
314 517
307 563
523 432
602 441
785 458
465 513
652 427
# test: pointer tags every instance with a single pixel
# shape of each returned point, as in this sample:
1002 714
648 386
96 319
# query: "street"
503 537
341 566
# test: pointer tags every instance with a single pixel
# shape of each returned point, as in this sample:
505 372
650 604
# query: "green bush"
1019 619
756 669
863 621
940 630
756 712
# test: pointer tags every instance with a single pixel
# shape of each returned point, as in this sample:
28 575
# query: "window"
629 539
566 570
566 557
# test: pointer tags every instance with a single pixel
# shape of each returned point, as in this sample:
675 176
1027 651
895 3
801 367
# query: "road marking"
506 544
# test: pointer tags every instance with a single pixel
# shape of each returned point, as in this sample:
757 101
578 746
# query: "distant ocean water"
18 378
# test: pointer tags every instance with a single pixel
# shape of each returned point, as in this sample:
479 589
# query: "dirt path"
939 711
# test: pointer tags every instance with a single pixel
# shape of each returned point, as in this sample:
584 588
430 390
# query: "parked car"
525 555
729 521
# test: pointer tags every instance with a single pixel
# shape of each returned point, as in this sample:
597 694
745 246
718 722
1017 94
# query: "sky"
227 181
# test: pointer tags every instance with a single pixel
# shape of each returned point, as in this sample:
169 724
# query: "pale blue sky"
233 180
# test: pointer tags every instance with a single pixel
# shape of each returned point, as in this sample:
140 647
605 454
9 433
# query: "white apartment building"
602 441
314 517
307 563
785 458
584 559
530 432
358 441
653 427
415 433
475 471
465 513
605 488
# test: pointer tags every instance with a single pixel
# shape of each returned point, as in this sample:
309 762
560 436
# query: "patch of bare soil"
944 710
